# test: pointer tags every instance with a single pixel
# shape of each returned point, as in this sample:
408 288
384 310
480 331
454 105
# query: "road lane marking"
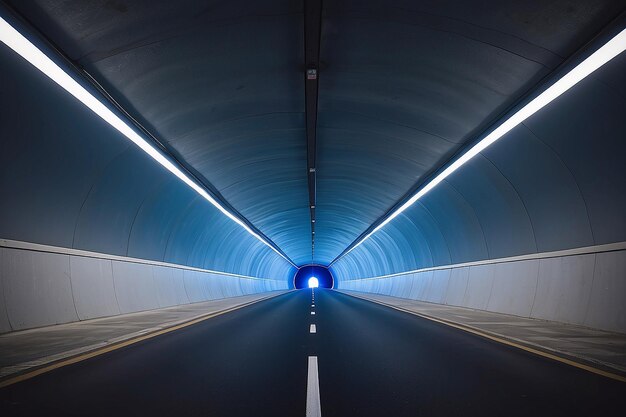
312 313
496 338
313 404
312 305
114 346
312 329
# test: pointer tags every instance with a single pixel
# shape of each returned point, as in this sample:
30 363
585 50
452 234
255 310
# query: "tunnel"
321 277
308 207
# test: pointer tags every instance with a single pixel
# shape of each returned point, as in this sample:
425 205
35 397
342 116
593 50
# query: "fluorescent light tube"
600 57
22 46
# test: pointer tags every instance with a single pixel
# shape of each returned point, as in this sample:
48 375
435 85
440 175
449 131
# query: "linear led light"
18 43
600 57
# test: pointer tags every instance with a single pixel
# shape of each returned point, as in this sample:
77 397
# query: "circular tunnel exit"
313 276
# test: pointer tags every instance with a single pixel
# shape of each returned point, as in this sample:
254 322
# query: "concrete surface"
599 347
584 289
44 285
372 361
26 349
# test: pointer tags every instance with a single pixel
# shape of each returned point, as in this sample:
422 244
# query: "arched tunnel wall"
72 182
554 183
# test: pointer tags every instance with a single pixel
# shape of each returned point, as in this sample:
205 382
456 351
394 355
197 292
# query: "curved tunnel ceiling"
557 182
404 85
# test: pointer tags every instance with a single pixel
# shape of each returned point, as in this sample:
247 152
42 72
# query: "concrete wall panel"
385 286
206 284
166 286
236 287
564 288
440 284
5 326
246 286
514 288
193 286
479 284
93 287
178 276
607 308
408 284
578 289
411 285
457 285
417 290
37 289
134 287
398 285
427 287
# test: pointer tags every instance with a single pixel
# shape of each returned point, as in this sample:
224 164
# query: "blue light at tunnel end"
307 272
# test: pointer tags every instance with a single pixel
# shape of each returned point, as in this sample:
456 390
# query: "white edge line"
36 247
12 38
313 403
587 250
604 54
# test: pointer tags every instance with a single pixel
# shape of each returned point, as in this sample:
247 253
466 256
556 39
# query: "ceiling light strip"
27 50
600 57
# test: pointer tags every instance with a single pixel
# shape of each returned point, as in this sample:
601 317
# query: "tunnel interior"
451 174
305 273
144 166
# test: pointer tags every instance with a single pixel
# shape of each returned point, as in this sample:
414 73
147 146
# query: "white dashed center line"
312 329
313 404
312 313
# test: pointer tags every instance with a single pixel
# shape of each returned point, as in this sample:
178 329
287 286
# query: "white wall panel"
180 292
514 287
5 326
164 281
607 308
37 288
586 289
480 281
193 287
440 281
134 287
457 286
93 287
564 288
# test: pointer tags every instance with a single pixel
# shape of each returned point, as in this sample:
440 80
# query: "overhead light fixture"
600 57
27 50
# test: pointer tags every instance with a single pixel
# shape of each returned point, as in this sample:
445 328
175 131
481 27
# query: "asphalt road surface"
372 361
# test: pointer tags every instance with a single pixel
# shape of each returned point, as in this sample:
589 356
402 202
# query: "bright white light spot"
314 282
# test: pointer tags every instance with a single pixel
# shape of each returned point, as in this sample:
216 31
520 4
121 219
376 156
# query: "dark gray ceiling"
557 181
403 86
